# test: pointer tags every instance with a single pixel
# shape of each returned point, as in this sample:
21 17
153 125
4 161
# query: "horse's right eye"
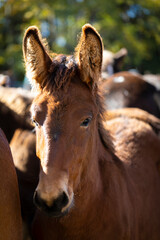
35 122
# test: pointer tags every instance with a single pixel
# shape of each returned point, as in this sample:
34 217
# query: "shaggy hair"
62 70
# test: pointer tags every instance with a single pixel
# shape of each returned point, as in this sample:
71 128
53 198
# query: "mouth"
54 214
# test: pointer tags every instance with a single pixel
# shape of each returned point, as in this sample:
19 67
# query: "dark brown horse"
126 89
112 62
98 180
14 110
10 217
23 147
14 114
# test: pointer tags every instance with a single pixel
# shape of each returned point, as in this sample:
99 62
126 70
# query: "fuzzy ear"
89 53
37 60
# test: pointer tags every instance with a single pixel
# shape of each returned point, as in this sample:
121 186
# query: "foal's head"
66 113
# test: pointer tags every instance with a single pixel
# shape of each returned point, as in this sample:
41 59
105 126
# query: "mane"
62 70
104 134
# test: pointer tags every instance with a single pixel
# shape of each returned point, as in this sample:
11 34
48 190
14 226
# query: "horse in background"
15 122
15 110
10 216
4 80
125 89
23 147
153 79
112 62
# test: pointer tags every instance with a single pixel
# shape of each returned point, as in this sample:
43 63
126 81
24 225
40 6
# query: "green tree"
133 24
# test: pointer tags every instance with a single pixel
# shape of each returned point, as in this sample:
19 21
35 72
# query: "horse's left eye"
86 122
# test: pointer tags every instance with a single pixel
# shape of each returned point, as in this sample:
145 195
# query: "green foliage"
121 23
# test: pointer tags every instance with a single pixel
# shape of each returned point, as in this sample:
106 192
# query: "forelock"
62 70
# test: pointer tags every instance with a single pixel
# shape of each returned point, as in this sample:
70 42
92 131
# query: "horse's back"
137 145
10 219
125 89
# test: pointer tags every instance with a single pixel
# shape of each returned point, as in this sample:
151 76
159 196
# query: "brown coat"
10 217
98 180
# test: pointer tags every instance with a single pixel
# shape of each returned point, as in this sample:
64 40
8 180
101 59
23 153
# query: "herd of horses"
88 165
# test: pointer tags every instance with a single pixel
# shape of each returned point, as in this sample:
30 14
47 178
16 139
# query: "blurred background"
132 24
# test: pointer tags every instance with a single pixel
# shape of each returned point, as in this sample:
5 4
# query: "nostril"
38 201
35 198
65 199
61 201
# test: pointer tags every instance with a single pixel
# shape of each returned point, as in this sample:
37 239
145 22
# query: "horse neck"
101 175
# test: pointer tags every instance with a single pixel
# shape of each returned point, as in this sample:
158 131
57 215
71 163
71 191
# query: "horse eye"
86 122
35 122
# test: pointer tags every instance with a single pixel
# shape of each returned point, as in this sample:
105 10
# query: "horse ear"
37 60
89 53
